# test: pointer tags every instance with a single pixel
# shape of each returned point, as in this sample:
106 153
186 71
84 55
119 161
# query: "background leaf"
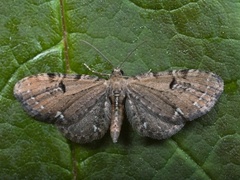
44 36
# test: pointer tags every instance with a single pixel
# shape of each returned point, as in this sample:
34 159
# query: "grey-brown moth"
83 107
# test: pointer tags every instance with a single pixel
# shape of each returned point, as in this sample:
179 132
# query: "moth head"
117 72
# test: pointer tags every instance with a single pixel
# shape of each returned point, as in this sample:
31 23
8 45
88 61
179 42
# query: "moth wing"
76 104
158 105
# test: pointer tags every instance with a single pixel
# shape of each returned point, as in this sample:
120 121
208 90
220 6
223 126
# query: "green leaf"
44 36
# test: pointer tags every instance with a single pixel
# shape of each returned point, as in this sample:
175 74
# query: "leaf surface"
44 36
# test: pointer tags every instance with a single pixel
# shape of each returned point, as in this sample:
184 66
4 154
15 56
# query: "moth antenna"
129 54
96 49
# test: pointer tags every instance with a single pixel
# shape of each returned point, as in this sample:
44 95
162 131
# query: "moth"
84 107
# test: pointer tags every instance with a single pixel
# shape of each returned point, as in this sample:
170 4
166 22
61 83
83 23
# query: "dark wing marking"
158 105
68 101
